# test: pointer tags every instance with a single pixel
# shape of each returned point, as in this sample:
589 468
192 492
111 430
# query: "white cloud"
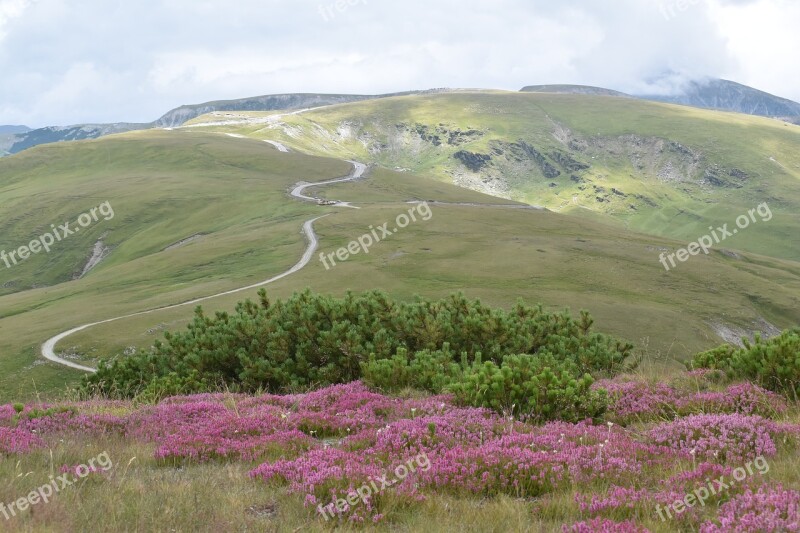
764 38
9 10
96 60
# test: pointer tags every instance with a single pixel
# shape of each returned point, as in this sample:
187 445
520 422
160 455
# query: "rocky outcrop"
474 162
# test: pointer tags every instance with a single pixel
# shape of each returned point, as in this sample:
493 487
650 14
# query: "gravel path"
48 348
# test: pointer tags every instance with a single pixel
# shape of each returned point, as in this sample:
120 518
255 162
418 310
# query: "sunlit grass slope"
235 192
658 168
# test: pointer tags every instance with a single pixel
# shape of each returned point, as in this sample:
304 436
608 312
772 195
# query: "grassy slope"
164 187
630 145
495 253
501 254
234 189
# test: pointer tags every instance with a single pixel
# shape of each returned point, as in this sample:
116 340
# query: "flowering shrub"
651 494
18 440
631 400
324 444
719 437
638 401
745 398
765 510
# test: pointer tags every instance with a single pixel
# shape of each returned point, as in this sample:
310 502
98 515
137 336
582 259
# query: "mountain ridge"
15 142
718 94
11 129
726 95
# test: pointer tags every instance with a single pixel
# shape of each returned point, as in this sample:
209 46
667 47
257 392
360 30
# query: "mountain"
52 134
639 164
712 94
13 130
573 89
719 94
730 96
199 212
15 140
8 136
272 102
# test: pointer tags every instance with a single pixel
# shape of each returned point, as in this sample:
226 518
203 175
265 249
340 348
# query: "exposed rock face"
720 177
440 134
474 162
567 162
521 151
99 252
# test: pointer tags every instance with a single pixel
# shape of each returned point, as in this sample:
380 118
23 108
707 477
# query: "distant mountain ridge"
716 94
271 102
719 94
573 89
78 132
12 142
5 130
728 95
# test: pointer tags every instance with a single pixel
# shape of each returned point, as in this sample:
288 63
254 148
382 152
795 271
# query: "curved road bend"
48 348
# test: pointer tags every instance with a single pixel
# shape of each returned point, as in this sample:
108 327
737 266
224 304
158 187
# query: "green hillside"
661 169
230 195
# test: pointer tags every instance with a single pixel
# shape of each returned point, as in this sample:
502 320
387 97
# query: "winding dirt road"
48 348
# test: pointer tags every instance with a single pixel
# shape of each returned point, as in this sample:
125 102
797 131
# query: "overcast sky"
75 61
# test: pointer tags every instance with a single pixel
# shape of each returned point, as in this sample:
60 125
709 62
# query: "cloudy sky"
74 61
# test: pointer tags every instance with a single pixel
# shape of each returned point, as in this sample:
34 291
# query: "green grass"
500 255
626 142
166 186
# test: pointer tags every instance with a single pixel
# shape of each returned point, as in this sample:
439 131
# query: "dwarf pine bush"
536 387
312 340
773 364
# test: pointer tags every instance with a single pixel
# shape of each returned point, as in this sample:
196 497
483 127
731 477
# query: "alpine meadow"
359 302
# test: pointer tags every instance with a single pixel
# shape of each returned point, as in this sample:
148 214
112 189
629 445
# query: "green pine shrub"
426 370
312 340
534 387
773 364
